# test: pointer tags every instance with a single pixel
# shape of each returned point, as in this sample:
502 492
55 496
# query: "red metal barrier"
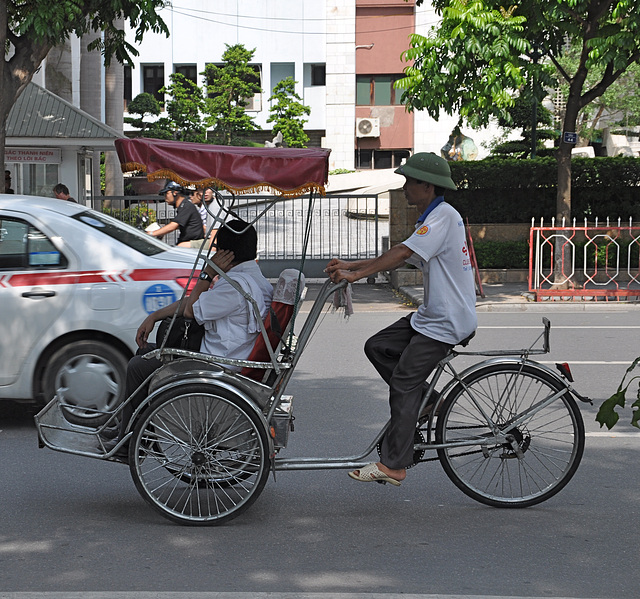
594 261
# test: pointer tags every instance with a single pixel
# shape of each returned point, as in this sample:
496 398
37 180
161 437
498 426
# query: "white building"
344 54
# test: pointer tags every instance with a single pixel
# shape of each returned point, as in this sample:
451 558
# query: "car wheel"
88 375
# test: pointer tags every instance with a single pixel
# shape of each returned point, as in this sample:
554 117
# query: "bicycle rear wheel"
549 439
199 457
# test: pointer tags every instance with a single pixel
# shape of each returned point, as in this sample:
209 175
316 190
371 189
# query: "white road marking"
560 326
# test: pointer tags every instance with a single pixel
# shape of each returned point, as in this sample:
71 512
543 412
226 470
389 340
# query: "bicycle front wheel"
544 443
199 457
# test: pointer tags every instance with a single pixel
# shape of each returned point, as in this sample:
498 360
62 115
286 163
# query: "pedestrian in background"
61 192
7 182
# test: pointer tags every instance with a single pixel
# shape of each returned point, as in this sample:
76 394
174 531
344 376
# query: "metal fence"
341 226
598 260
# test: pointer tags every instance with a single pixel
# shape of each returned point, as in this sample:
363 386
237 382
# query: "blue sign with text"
156 297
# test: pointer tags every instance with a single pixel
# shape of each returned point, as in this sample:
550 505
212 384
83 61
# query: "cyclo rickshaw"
507 430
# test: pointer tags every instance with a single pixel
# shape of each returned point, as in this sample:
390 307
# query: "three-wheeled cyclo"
507 430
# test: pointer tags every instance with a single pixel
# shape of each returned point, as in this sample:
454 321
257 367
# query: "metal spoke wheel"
539 447
199 457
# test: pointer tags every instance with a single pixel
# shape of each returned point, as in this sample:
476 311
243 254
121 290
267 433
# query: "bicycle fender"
506 360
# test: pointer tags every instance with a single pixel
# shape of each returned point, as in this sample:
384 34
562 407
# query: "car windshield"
130 236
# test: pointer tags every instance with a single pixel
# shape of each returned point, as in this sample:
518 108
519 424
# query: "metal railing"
340 226
598 260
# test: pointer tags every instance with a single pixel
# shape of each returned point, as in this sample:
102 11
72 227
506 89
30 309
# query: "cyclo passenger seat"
288 291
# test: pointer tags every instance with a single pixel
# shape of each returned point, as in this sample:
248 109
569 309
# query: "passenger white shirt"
229 320
448 311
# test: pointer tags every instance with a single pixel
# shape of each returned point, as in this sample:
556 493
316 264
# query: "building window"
280 71
377 90
189 71
153 80
318 74
127 86
378 159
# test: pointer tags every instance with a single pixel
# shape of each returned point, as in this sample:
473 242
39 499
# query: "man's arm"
223 259
172 226
353 271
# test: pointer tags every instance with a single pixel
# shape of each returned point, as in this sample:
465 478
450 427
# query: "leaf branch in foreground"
607 414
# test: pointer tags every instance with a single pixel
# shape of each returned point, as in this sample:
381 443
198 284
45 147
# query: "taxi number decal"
156 297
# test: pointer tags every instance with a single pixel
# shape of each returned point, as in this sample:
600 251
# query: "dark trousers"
138 370
404 358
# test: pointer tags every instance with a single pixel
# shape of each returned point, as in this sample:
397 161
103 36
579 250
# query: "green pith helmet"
428 167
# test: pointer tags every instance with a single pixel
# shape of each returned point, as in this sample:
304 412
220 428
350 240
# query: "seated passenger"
231 326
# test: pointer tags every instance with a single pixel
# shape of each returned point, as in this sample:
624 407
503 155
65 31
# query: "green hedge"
515 254
515 191
502 254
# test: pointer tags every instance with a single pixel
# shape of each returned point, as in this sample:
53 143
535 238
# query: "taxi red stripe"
41 278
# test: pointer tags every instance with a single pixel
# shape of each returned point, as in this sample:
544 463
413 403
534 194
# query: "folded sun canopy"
284 171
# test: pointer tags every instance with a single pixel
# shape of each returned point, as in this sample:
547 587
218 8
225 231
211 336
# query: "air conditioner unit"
369 127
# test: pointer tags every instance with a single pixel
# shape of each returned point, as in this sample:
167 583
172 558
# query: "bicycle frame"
501 435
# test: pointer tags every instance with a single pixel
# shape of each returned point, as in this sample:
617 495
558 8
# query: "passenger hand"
144 330
223 259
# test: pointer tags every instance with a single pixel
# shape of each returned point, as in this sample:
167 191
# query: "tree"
286 114
619 103
184 108
521 115
28 30
229 86
143 105
479 56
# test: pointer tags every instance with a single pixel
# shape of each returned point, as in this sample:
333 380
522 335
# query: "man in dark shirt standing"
186 219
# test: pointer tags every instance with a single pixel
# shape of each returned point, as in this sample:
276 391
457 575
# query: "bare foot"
395 474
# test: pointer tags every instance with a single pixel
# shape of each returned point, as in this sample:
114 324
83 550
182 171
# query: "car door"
35 287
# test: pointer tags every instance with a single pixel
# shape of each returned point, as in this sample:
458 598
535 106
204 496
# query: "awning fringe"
129 167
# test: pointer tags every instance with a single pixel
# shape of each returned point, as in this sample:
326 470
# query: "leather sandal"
371 473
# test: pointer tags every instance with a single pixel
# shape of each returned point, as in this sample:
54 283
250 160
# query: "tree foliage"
229 88
287 113
184 109
521 116
607 414
619 104
28 30
143 105
479 56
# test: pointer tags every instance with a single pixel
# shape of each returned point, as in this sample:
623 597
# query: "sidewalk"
515 297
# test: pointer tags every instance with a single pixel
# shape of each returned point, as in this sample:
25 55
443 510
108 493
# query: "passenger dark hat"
171 186
428 167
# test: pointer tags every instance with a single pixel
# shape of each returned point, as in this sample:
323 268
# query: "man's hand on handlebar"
339 270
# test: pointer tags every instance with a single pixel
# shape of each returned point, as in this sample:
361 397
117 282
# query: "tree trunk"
114 108
16 71
563 252
91 95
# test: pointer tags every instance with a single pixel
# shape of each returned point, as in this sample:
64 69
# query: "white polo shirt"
448 311
229 322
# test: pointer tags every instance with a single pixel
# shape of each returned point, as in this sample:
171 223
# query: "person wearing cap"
406 352
186 219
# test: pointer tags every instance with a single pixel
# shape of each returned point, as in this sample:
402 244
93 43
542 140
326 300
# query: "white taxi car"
75 284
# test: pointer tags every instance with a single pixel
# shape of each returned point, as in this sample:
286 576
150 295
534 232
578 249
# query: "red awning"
285 171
